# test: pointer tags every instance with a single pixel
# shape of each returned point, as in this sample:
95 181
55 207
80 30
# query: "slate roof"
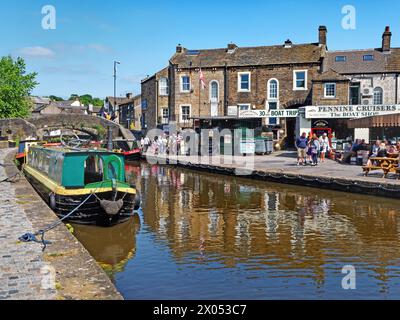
249 56
354 64
119 101
330 75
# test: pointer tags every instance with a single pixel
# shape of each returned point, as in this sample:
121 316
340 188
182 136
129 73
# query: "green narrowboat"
66 177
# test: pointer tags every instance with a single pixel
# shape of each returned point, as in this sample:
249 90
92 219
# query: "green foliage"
101 132
15 88
87 99
55 98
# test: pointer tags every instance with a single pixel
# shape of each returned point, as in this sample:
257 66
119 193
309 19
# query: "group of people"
163 144
312 149
382 149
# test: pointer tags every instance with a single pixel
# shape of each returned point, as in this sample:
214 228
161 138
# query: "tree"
55 98
86 99
15 88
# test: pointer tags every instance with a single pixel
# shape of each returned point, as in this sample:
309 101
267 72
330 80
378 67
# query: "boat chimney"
110 139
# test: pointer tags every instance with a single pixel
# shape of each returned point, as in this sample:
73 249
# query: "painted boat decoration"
66 177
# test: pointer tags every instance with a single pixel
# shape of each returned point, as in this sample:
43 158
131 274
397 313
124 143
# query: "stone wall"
342 94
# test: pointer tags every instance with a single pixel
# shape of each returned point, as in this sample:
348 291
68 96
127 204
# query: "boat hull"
92 211
132 155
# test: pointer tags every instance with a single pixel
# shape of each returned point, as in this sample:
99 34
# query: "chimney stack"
129 95
323 31
386 40
179 48
288 43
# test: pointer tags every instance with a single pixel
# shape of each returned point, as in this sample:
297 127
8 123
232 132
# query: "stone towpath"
64 271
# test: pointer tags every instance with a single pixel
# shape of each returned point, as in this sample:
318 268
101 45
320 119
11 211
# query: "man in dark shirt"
301 145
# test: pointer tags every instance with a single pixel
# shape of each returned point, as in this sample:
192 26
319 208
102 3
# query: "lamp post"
115 87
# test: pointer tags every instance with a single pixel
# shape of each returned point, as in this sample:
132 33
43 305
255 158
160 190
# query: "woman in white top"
324 143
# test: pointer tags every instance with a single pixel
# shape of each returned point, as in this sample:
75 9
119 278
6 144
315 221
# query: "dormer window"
368 57
340 58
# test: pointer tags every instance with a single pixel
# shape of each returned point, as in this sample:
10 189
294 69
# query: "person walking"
314 146
324 147
301 145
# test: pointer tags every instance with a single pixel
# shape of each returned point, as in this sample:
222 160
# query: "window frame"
381 95
248 105
269 90
182 83
368 55
164 87
325 90
295 87
340 58
210 88
181 120
240 74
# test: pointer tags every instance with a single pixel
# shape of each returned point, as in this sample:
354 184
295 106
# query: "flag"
202 80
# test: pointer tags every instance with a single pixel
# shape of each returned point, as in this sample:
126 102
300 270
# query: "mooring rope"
29 237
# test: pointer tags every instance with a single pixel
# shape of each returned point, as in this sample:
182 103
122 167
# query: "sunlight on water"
203 236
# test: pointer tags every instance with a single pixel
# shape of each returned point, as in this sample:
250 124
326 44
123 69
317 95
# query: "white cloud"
36 52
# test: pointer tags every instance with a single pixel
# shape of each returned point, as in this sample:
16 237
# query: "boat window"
112 171
93 169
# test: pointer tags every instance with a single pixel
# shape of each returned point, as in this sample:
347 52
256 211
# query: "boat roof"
70 150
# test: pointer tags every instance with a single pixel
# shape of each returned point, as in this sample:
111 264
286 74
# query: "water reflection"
208 236
111 247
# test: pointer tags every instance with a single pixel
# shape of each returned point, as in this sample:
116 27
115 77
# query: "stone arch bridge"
37 127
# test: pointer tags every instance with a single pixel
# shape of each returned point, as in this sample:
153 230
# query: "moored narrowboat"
23 149
67 177
129 148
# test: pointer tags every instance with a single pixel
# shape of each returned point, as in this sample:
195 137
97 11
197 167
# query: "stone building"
365 78
248 78
155 100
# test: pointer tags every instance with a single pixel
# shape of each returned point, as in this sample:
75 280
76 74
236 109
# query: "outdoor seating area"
386 164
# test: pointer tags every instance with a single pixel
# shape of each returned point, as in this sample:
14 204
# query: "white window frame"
381 92
269 90
240 81
181 113
161 88
325 90
181 84
211 98
295 88
244 104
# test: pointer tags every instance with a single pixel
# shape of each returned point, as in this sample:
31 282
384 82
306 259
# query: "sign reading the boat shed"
350 112
280 113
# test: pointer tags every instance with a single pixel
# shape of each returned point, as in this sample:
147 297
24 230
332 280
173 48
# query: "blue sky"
78 56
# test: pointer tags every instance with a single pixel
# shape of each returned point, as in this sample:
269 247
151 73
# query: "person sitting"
382 151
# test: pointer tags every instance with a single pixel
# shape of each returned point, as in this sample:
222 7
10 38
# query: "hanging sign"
349 111
280 113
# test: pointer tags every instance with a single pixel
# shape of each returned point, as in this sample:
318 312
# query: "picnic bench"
387 165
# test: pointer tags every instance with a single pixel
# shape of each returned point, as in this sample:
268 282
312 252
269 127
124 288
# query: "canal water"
205 236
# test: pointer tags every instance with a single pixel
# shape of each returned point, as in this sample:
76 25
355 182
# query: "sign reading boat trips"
350 112
280 113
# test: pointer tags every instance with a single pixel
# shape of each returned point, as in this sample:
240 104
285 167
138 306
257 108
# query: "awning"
386 121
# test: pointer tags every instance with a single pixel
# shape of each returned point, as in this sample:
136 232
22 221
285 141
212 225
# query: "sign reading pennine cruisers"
349 111
280 113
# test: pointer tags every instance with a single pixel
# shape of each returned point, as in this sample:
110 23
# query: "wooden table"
387 165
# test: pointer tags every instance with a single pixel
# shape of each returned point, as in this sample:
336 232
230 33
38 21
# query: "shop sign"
349 111
280 113
232 111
